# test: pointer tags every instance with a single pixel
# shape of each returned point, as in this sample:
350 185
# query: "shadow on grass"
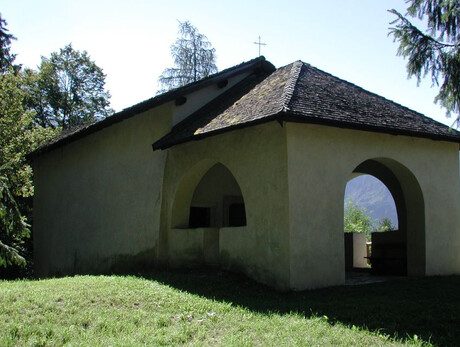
400 308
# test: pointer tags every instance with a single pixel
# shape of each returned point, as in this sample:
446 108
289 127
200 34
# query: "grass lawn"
221 309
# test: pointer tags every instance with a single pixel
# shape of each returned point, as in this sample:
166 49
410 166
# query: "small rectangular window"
200 217
236 215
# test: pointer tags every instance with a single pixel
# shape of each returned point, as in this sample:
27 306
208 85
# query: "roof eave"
197 137
289 117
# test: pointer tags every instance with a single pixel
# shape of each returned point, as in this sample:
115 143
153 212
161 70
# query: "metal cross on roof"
260 44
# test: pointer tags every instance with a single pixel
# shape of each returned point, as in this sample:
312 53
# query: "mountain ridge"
370 193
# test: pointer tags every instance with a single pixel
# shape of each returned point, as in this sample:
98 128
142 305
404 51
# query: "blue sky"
130 40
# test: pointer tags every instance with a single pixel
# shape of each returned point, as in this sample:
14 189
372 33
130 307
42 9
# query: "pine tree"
194 58
6 58
18 136
435 51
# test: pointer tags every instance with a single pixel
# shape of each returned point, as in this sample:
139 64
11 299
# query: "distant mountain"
370 193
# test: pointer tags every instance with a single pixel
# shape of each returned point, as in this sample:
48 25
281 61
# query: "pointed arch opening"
208 200
217 201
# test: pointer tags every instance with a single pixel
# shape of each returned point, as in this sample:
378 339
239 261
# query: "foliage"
18 136
385 224
176 309
6 58
68 90
194 58
356 219
434 52
13 227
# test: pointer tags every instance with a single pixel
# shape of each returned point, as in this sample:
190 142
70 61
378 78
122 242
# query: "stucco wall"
193 247
320 161
355 250
98 200
107 201
256 157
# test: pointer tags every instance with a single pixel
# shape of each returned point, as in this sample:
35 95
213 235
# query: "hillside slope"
370 193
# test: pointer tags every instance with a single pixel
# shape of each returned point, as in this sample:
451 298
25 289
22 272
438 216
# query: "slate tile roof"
319 95
300 92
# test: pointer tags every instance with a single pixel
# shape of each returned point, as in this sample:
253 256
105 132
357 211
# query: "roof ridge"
185 88
290 85
235 93
216 100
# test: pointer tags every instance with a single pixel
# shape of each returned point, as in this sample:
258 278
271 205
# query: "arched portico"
401 251
294 203
422 181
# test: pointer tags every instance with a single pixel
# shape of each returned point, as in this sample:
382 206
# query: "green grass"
221 309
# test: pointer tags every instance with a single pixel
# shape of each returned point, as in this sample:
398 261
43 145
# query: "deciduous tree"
385 224
69 90
18 136
356 219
